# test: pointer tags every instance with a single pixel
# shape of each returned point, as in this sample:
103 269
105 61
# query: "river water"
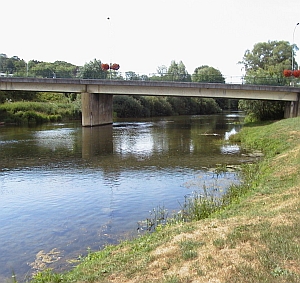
65 189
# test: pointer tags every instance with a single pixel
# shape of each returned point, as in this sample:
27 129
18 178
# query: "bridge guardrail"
174 77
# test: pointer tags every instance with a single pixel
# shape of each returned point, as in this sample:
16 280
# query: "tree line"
264 64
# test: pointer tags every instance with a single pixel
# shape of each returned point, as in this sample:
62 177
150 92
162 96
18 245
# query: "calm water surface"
70 188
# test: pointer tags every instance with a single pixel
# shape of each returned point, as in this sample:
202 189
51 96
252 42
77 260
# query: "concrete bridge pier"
292 108
97 109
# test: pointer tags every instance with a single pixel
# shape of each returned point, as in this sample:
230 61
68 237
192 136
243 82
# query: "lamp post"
109 40
293 47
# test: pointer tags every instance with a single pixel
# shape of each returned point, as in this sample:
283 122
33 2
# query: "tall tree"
177 72
210 74
92 70
264 64
207 74
269 54
131 76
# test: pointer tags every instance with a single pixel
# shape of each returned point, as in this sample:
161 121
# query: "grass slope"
254 239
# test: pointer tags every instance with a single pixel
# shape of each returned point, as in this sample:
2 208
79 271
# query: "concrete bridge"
97 95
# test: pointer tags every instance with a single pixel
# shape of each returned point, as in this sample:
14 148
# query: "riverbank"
256 238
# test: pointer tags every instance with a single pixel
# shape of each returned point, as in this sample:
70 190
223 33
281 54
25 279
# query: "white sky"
142 35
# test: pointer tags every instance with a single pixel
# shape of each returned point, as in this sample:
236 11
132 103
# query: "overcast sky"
141 35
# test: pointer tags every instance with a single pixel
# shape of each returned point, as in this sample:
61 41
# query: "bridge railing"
116 75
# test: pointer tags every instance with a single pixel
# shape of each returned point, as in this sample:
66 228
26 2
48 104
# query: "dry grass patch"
215 254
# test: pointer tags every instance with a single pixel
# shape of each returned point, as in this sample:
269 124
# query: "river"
65 189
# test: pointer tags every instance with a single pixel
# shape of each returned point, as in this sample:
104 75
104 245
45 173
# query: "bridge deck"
161 88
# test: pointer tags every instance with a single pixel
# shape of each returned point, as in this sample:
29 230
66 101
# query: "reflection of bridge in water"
97 94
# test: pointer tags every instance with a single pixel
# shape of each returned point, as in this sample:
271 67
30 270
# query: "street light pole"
293 47
109 40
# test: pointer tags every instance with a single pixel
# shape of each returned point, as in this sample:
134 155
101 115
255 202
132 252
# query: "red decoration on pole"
296 73
287 73
115 66
104 67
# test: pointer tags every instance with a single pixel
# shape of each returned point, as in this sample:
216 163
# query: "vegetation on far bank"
40 108
63 108
254 238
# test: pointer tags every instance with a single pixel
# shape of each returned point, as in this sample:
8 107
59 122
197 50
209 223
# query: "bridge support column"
292 108
97 109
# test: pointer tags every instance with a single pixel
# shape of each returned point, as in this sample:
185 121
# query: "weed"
171 279
219 243
158 216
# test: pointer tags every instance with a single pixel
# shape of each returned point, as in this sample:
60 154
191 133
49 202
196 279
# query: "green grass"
23 112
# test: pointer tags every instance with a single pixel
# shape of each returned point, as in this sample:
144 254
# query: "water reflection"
230 148
67 187
97 141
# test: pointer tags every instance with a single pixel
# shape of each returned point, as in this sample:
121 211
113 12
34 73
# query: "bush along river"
65 189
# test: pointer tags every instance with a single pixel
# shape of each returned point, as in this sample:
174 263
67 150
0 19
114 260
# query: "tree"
274 55
207 74
64 69
177 72
264 64
43 69
12 66
92 70
162 70
131 76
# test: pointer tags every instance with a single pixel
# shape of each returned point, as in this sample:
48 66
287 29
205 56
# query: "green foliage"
207 74
58 69
17 96
18 67
266 77
127 106
37 112
132 76
264 65
260 110
189 249
48 276
159 106
92 70
176 73
11 65
272 55
193 105
151 106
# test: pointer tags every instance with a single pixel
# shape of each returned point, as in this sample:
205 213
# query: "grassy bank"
38 112
255 238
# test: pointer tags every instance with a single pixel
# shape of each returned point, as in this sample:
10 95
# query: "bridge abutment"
97 109
292 108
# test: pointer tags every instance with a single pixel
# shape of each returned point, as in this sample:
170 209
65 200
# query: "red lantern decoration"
287 73
104 67
115 66
296 73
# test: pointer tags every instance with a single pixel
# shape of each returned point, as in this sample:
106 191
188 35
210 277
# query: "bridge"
97 95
